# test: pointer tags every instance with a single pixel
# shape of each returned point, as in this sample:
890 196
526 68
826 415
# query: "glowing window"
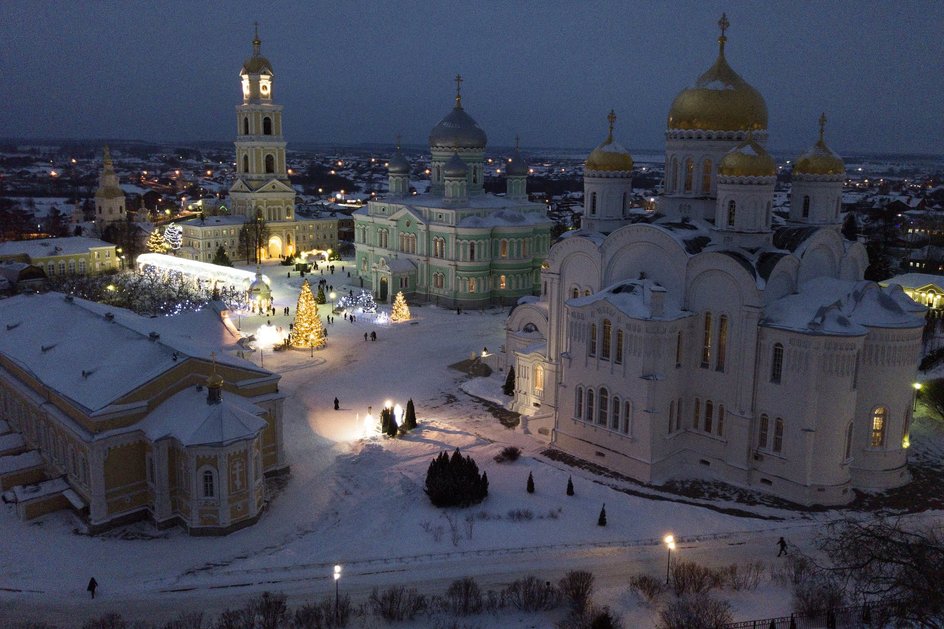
879 419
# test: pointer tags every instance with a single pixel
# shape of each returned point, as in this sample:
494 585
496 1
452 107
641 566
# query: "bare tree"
889 561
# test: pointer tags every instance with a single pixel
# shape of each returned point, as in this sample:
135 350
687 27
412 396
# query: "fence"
849 617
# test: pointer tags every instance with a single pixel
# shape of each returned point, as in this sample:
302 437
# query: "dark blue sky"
351 72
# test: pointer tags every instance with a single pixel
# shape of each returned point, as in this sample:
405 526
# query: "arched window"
706 342
245 163
674 179
471 251
589 415
848 453
706 177
592 347
806 206
208 478
709 415
502 282
721 420
732 212
270 163
503 249
475 174
627 426
879 421
776 364
678 349
246 126
471 285
538 379
574 292
696 412
593 204
578 403
615 414
689 174
619 347
671 416
762 432
722 343
778 435
267 126
604 406
605 342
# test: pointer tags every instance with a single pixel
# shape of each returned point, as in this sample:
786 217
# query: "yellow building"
139 419
74 255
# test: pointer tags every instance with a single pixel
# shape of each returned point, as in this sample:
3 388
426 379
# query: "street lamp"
333 295
917 387
670 544
337 595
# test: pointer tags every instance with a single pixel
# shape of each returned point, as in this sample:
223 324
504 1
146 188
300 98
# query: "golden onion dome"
820 159
610 155
720 100
747 159
215 379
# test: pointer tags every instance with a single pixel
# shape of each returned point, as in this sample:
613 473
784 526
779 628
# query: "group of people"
372 336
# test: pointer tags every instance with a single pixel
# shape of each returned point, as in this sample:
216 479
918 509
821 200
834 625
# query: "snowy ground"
357 500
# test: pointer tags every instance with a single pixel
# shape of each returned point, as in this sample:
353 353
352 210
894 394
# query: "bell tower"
262 182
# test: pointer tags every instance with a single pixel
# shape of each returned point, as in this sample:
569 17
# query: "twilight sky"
363 71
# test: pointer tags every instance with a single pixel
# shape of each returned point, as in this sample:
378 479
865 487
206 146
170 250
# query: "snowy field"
357 499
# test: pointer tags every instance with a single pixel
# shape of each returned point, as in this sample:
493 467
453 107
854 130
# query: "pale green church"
456 245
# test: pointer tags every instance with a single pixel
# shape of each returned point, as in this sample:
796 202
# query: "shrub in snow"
508 453
688 577
397 603
648 587
745 576
530 594
455 481
601 521
410 418
464 598
577 588
570 486
108 621
519 515
530 483
698 611
269 611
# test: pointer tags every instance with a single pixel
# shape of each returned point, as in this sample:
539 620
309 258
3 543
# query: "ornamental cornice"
750 180
608 174
841 177
703 134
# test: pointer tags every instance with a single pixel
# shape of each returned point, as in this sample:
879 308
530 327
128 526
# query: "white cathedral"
703 341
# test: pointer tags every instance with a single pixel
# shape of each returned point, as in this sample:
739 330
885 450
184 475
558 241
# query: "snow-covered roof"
634 298
95 354
914 280
188 417
46 247
17 462
503 218
214 221
843 308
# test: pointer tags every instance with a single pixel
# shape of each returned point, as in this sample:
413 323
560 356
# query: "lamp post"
670 544
337 595
332 295
917 387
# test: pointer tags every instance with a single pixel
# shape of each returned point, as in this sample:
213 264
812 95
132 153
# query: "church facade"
456 245
707 340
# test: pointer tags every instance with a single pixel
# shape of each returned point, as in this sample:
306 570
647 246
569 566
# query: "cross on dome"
256 42
458 91
612 119
398 141
822 125
723 23
517 140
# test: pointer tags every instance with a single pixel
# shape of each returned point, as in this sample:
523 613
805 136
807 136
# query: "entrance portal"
275 247
383 289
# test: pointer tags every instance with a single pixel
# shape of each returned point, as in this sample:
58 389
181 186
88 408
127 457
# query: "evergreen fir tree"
173 236
321 295
155 242
221 258
455 481
392 428
509 386
601 521
400 311
570 486
307 331
410 420
530 483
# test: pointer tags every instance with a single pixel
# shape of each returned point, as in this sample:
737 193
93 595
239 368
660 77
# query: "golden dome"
820 160
257 64
609 156
747 159
215 380
720 100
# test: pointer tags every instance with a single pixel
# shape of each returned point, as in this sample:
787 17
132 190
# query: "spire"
398 143
458 91
107 158
612 119
822 125
214 384
517 141
723 23
256 42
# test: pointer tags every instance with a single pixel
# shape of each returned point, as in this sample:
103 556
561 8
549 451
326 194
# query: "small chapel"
709 339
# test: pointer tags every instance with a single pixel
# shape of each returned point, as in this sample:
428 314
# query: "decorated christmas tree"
173 236
307 331
321 295
400 311
155 242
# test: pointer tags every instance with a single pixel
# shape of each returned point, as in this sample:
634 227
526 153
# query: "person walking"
337 404
373 336
93 584
365 336
782 543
